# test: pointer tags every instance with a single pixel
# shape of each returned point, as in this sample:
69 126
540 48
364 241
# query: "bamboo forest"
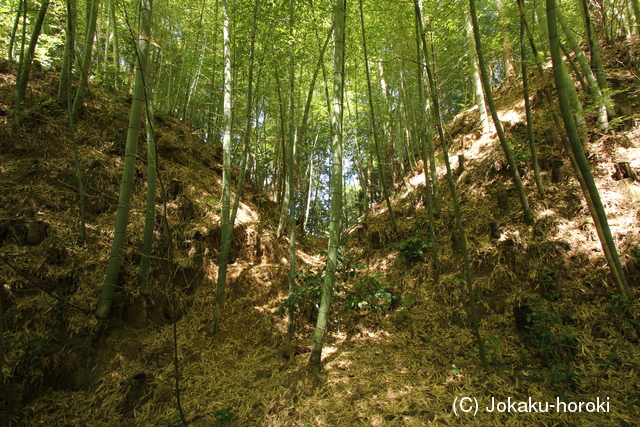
319 213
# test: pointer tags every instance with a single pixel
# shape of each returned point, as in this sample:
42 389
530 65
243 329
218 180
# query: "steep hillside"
400 351
51 283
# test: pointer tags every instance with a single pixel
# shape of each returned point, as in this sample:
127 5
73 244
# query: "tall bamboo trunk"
85 66
596 56
150 207
475 78
527 106
374 129
594 89
248 129
126 187
507 52
64 85
14 30
635 5
116 45
475 321
428 155
598 213
27 62
494 114
291 169
227 227
336 185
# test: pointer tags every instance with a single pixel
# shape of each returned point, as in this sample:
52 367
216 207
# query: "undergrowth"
354 290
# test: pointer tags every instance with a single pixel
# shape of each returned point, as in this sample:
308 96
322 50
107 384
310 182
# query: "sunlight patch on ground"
368 335
510 116
245 214
478 148
585 242
482 146
314 260
328 351
417 180
546 213
631 155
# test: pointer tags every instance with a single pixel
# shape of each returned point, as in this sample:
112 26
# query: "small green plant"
521 152
369 291
309 292
525 353
544 332
547 278
174 421
353 291
413 249
620 308
406 301
427 338
224 416
541 333
613 359
618 122
34 351
491 347
561 374
620 305
455 370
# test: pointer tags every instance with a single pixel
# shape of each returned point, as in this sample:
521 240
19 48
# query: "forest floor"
400 350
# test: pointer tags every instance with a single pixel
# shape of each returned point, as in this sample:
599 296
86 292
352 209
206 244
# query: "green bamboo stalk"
475 321
596 57
248 128
494 114
126 187
27 62
527 107
576 107
636 13
85 67
426 155
150 207
64 86
290 170
336 185
475 77
79 175
281 172
563 138
598 213
374 129
14 30
227 228
116 44
594 89
66 97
